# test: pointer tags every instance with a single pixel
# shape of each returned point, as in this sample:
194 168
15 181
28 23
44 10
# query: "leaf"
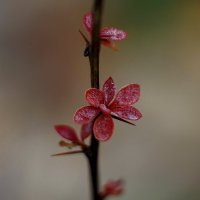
94 97
114 188
86 130
127 96
109 44
113 34
103 127
85 114
109 90
67 132
129 113
88 21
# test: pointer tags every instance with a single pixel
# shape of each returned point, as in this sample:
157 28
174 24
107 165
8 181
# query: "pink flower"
104 105
107 35
112 188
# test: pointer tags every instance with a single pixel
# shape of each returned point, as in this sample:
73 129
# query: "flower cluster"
107 35
104 105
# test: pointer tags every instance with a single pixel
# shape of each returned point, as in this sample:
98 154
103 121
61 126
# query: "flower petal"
94 97
128 112
86 130
109 90
85 114
103 127
67 132
109 44
88 21
127 96
112 34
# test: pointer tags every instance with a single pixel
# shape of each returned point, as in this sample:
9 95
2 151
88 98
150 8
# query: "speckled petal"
127 96
66 132
129 113
109 90
112 34
94 97
88 21
86 114
103 127
86 130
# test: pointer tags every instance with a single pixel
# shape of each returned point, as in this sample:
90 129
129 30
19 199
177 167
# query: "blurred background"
43 76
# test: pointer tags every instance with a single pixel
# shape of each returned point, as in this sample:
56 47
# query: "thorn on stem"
84 38
67 153
123 120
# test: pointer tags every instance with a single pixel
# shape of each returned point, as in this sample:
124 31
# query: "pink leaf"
127 96
94 97
103 127
86 130
128 112
66 132
104 109
112 34
109 44
109 90
113 188
86 114
88 22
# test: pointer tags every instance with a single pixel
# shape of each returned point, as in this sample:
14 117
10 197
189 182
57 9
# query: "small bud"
87 51
67 144
107 35
112 188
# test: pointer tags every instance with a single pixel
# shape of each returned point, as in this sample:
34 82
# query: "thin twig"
94 48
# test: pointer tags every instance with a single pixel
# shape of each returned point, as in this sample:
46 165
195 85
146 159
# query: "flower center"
104 109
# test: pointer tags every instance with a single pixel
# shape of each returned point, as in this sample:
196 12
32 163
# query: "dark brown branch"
94 49
95 44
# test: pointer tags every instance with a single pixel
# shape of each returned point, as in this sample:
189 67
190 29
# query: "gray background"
43 76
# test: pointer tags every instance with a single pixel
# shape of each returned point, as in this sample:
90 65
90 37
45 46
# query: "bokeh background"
43 76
